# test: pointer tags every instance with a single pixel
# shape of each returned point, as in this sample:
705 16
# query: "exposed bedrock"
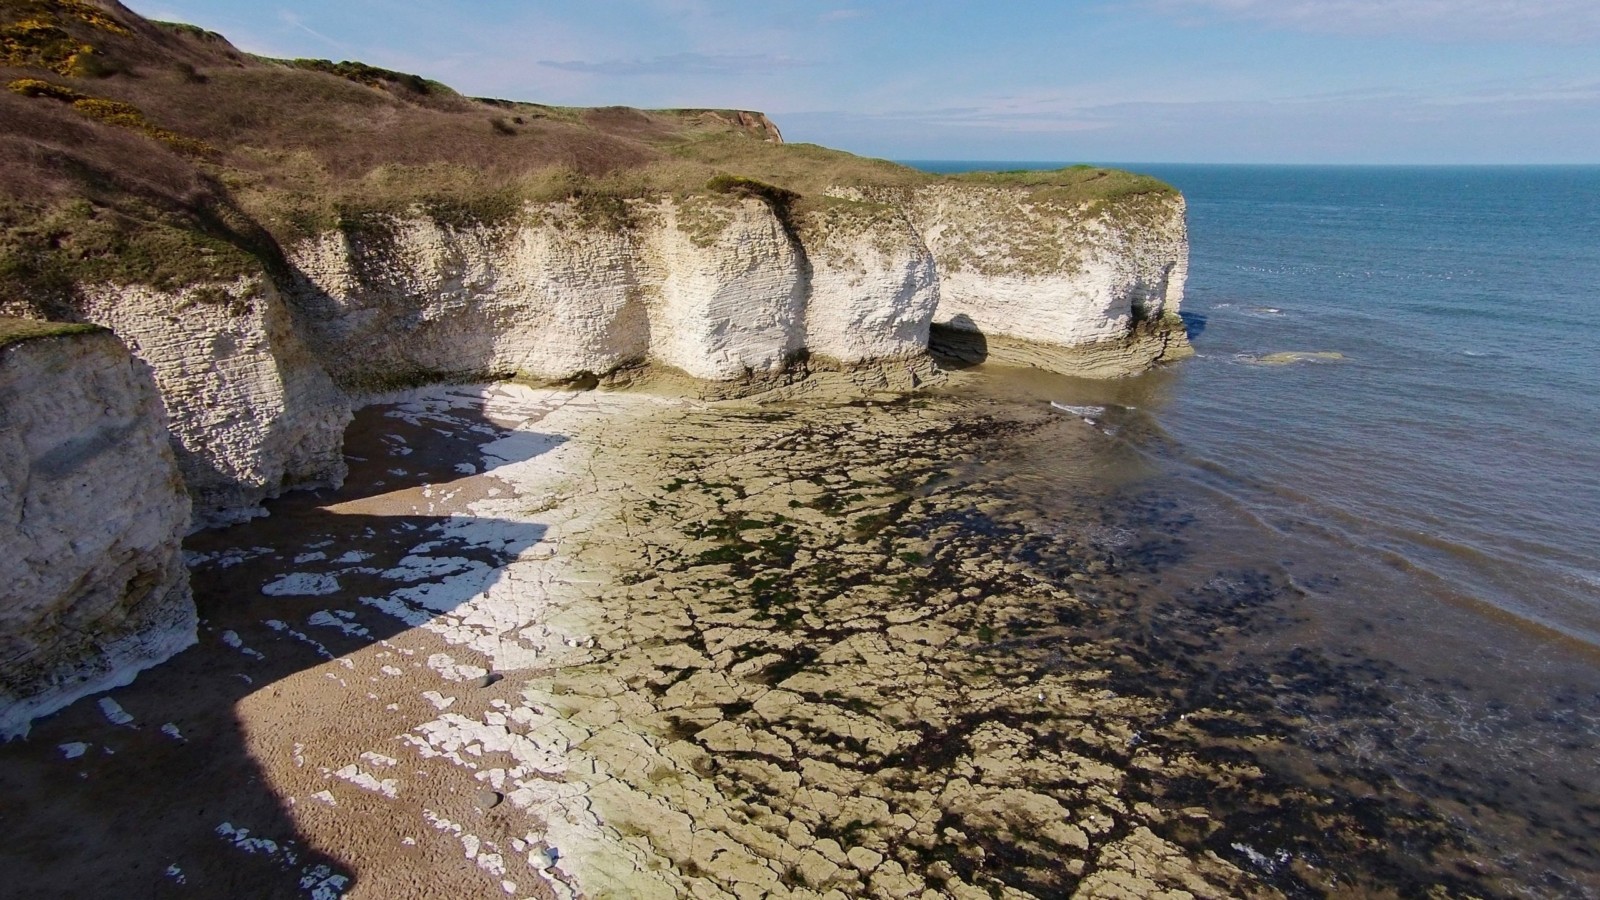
1088 288
719 288
409 299
93 588
258 374
252 411
873 283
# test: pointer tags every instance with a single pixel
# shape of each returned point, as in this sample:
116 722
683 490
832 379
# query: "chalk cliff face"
711 287
725 289
874 284
252 411
718 288
1088 288
93 587
259 374
417 300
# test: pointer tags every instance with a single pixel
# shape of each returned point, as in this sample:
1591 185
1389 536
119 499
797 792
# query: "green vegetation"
111 112
1073 184
271 152
777 197
126 115
15 331
36 34
44 253
191 31
371 76
33 87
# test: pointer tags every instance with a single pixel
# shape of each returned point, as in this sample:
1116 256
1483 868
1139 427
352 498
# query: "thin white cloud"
294 21
1373 113
841 15
1542 21
680 64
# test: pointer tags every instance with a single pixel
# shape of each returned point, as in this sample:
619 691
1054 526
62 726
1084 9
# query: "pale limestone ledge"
92 583
1089 289
258 374
791 709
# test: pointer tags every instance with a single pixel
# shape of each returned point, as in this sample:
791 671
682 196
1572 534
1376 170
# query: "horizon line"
1417 165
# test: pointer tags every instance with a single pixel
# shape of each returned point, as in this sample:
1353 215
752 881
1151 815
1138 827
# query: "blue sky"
1292 81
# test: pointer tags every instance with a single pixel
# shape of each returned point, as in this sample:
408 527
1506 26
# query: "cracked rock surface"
616 644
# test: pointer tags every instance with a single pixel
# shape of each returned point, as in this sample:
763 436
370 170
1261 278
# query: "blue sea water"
1393 417
1458 437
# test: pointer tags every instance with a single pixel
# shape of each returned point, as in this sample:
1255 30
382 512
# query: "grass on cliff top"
15 331
157 153
1081 183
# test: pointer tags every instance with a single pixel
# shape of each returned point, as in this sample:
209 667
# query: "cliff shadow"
385 336
218 774
1194 324
958 344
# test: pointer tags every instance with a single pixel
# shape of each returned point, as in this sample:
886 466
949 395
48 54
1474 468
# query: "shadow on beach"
176 801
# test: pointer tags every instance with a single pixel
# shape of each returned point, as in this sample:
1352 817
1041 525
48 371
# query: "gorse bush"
192 31
35 35
110 112
779 198
371 76
33 87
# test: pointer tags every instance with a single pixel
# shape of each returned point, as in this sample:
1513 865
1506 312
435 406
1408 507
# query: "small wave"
1289 357
1085 411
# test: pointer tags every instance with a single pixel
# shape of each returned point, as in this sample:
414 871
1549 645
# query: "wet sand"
552 644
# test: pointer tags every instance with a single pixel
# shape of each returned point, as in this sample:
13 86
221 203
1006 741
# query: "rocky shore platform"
546 643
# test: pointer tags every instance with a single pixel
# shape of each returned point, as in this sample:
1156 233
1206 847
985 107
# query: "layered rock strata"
1082 288
734 289
93 588
252 411
721 289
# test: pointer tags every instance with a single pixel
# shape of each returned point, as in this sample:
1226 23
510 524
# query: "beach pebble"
486 680
487 800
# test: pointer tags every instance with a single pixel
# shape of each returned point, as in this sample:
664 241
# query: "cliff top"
15 331
158 153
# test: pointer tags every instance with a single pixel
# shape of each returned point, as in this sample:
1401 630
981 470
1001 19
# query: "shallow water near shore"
1392 420
620 644
1351 678
1404 358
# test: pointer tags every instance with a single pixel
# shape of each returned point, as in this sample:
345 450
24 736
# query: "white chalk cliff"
258 375
92 510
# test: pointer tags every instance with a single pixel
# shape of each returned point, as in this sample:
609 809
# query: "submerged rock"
1290 357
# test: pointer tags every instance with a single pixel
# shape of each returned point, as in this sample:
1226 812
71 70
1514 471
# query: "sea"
1383 462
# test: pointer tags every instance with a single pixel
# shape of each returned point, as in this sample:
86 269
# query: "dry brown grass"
175 157
15 331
